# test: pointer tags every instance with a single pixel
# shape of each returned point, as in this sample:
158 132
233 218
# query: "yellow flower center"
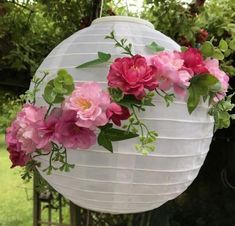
83 103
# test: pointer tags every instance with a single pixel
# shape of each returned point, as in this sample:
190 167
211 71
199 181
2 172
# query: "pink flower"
90 103
17 156
170 72
117 113
213 67
22 137
132 75
70 135
193 60
46 128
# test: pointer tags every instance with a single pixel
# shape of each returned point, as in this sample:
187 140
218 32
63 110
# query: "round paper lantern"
126 181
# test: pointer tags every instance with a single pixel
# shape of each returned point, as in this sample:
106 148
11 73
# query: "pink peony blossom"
193 61
213 67
117 113
22 137
132 75
70 135
90 103
170 72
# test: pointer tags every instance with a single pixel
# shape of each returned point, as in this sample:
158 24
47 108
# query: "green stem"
48 111
127 49
159 93
37 85
137 119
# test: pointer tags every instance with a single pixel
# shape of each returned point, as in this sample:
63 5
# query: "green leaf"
105 141
64 77
58 99
232 116
129 100
201 86
232 44
223 45
116 94
102 58
147 102
183 48
118 135
207 49
218 54
229 69
63 83
227 52
193 99
49 93
155 47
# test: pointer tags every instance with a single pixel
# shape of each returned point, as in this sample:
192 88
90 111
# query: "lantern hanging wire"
102 6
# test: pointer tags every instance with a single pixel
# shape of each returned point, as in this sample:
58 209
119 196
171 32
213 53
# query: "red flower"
132 75
117 113
202 36
193 61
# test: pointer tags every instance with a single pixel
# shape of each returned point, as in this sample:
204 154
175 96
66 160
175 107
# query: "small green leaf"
155 47
218 54
228 52
232 116
229 69
223 45
207 49
102 58
183 48
232 44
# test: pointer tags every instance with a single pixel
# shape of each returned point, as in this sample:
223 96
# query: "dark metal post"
36 203
75 215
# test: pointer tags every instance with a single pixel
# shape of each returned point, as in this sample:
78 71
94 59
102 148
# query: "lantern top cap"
123 19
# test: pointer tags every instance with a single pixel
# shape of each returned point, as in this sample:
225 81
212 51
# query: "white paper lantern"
126 181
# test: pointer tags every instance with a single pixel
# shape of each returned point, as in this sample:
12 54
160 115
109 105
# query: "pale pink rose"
213 67
171 72
70 135
132 75
28 120
116 113
90 103
23 138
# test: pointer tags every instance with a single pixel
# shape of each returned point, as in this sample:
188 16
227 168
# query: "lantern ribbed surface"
126 181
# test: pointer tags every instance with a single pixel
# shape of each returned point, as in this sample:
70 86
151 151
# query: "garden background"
30 29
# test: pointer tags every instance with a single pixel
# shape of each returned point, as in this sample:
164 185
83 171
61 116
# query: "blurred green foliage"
9 106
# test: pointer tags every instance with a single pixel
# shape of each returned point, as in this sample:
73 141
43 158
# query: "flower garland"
85 114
